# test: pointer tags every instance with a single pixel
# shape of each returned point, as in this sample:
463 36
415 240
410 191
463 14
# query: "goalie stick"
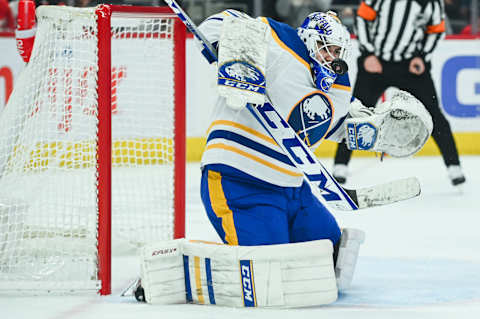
303 158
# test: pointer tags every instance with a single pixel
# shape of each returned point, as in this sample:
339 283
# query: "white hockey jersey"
236 139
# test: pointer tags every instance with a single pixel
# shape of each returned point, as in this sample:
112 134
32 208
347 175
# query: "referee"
397 38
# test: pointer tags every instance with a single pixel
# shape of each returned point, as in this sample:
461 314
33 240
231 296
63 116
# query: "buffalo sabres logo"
243 72
323 77
326 83
242 75
311 118
366 135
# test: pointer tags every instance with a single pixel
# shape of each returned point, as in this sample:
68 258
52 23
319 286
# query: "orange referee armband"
366 12
437 28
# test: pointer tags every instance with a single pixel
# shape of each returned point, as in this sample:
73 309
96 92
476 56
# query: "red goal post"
104 12
92 146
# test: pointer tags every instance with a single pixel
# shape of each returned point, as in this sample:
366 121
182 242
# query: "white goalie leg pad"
289 275
349 248
242 60
162 273
399 127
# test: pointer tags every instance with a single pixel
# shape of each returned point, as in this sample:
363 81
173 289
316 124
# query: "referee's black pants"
370 86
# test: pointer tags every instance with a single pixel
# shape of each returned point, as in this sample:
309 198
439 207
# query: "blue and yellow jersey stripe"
220 207
286 37
342 82
250 144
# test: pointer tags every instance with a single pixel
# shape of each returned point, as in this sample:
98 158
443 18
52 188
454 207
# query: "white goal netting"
48 148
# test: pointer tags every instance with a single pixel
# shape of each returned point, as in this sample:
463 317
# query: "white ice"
421 257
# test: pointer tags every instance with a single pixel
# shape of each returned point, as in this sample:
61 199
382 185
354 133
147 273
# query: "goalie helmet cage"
92 146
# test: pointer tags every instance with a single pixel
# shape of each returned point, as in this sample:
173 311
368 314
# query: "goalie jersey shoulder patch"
311 117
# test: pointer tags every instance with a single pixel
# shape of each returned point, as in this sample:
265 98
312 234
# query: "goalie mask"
327 41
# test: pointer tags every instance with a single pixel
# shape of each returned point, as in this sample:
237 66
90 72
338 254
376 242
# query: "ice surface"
421 258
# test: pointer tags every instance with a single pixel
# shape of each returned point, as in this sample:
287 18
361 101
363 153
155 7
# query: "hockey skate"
456 175
135 289
340 172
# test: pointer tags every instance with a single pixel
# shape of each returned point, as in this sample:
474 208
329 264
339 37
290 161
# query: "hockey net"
94 73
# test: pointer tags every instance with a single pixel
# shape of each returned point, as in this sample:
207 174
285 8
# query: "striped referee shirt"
397 30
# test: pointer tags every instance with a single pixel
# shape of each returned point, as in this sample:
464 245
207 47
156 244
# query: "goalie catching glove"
399 127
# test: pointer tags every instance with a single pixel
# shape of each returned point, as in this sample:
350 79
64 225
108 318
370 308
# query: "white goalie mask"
324 35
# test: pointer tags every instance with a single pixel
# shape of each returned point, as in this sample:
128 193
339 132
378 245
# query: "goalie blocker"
287 275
